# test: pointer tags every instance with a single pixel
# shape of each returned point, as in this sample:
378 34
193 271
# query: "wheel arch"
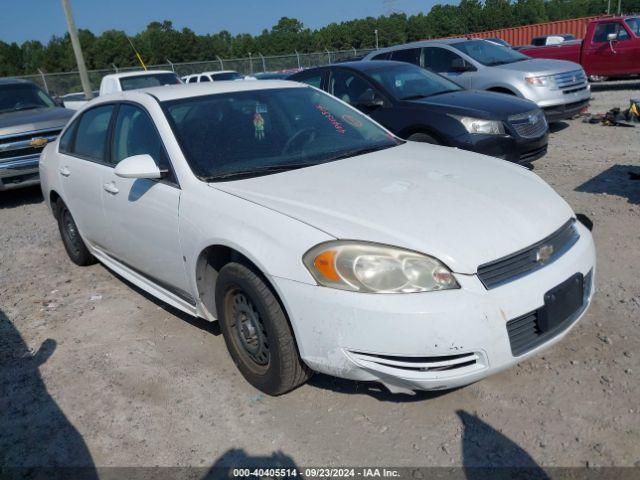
503 89
53 202
210 261
207 267
407 132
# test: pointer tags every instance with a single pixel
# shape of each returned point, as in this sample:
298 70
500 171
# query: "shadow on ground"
21 196
556 127
34 431
488 454
620 180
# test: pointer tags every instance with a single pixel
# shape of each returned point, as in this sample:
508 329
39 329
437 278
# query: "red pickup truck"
611 48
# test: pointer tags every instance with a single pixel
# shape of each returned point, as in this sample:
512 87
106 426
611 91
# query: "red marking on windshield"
332 120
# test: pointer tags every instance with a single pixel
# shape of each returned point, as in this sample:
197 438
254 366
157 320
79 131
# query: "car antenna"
137 54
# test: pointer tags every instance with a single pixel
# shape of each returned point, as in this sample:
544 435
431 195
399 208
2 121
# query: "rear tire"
257 332
71 239
424 138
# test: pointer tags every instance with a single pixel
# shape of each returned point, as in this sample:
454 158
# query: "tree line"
161 41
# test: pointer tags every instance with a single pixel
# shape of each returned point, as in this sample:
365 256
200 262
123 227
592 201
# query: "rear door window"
439 60
311 78
92 132
408 55
348 86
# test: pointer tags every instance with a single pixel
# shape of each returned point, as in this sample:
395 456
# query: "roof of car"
422 43
136 73
363 66
218 72
175 92
13 81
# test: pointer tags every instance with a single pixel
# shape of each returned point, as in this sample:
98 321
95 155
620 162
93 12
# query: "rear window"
226 76
147 81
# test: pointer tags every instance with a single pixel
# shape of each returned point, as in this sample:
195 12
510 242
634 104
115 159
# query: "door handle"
111 188
64 171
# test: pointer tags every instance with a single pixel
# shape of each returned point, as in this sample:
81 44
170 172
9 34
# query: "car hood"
13 123
481 104
460 207
541 66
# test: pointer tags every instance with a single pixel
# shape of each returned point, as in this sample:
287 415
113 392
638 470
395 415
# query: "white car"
317 239
122 82
217 76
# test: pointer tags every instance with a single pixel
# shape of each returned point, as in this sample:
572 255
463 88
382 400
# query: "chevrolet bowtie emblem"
544 253
38 142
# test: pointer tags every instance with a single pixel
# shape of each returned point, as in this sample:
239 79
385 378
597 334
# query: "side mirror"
58 101
370 99
138 166
612 37
461 65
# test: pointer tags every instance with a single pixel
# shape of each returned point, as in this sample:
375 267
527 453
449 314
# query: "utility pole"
608 7
619 7
77 50
376 34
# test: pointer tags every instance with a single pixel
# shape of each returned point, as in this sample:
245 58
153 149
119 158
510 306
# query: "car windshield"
248 133
147 81
634 25
226 76
488 53
406 82
23 96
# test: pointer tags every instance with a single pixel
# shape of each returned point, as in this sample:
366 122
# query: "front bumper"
564 112
508 147
373 337
19 172
557 104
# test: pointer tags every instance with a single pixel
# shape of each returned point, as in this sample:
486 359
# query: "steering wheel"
307 134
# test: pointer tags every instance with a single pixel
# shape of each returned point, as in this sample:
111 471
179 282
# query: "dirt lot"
94 372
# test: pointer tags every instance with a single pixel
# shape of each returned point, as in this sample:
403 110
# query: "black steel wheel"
71 239
257 331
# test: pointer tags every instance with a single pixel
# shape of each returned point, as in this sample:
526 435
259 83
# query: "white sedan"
317 239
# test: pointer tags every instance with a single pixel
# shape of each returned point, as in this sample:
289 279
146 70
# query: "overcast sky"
40 19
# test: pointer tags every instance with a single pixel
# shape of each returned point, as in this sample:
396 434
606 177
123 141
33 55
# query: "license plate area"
561 302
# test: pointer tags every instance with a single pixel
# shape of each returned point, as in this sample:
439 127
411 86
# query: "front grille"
528 260
15 146
525 332
530 124
419 364
570 80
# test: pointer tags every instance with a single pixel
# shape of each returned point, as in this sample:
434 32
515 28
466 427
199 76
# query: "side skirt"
145 283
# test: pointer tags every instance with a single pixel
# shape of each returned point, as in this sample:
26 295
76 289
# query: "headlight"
478 125
373 268
542 81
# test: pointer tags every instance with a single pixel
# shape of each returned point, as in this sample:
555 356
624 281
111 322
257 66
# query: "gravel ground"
95 372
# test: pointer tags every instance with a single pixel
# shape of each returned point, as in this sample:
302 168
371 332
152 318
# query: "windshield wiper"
415 97
358 151
256 172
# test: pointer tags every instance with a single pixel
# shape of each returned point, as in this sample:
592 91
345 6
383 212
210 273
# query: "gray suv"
29 119
558 87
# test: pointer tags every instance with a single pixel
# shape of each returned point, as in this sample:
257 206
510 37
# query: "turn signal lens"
325 265
373 268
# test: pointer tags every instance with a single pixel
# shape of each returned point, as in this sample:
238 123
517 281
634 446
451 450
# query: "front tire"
257 332
71 239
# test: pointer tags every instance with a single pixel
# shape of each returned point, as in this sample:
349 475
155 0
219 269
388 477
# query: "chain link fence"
59 84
